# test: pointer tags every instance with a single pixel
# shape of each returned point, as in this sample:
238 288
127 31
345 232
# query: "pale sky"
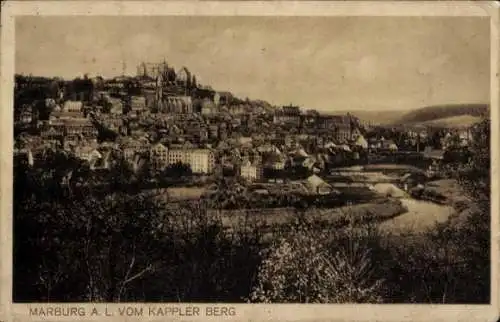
324 63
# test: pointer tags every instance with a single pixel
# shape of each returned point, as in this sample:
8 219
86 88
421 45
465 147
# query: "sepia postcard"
248 161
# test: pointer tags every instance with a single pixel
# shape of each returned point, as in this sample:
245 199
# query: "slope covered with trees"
430 113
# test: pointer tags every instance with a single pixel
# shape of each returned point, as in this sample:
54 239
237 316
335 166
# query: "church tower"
159 89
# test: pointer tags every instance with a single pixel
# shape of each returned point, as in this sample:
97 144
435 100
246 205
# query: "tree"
105 245
121 176
475 177
177 170
306 267
99 246
434 139
132 88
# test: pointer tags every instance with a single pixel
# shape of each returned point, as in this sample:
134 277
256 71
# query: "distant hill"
443 113
380 117
454 121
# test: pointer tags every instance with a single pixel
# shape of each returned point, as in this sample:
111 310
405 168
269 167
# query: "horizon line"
396 109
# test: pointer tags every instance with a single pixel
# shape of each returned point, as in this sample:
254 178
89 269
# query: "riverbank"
431 203
396 210
446 192
375 211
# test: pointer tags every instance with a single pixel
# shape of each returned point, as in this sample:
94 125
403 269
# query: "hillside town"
196 170
229 159
163 119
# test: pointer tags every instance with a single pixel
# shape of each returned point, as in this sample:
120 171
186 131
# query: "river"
421 215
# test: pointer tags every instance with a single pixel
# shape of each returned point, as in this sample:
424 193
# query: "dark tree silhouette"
177 170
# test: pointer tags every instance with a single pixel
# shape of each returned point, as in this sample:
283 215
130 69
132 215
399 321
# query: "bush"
308 266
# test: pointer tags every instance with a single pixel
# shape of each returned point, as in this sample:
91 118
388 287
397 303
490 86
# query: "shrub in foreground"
306 267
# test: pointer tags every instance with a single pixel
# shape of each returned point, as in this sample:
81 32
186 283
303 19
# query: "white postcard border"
288 312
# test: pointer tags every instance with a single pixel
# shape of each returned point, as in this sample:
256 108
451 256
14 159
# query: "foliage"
475 177
85 248
177 170
311 267
451 263
90 245
456 155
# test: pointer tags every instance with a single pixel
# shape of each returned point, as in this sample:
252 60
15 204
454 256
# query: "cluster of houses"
171 119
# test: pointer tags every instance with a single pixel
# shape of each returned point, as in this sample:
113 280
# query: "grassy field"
183 193
179 193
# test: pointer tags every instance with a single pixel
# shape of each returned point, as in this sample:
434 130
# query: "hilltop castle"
166 73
